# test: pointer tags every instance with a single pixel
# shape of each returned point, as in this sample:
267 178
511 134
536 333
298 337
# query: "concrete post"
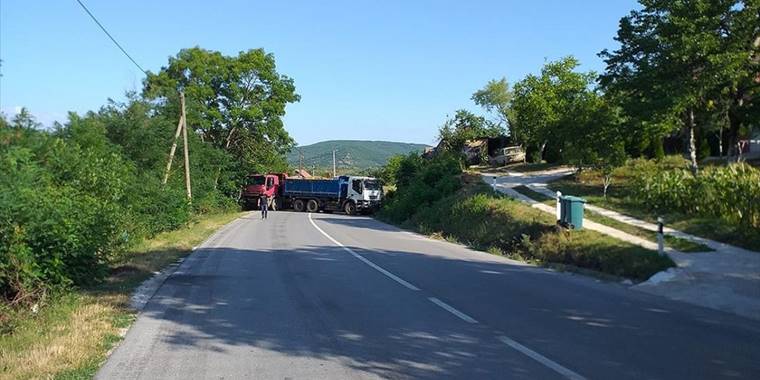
493 183
559 206
660 236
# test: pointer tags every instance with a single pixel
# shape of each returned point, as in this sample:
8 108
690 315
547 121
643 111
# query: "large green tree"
543 104
678 58
496 98
235 103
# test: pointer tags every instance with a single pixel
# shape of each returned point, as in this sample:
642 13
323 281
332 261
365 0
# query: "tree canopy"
235 103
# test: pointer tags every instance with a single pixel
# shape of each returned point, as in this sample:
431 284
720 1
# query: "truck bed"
318 188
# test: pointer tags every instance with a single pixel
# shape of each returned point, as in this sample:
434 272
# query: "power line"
111 37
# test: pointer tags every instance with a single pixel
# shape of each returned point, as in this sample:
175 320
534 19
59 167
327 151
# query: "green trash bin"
572 212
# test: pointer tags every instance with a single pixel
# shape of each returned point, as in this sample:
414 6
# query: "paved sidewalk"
727 279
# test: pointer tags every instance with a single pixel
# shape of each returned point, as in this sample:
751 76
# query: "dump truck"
350 194
262 184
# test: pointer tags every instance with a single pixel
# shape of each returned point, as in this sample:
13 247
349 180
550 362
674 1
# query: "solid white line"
365 260
541 359
452 310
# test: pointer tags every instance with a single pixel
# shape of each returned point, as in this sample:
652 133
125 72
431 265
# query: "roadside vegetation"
69 335
682 83
719 204
434 197
679 244
79 199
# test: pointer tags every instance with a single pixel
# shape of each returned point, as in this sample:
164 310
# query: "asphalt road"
327 296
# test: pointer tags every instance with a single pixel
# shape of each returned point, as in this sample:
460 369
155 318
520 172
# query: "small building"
754 142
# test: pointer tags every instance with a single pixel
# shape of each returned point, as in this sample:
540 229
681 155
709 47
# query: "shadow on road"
320 302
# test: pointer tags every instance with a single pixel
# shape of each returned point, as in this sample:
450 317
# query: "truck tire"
298 205
312 205
349 208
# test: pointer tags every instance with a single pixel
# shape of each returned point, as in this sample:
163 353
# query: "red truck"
266 184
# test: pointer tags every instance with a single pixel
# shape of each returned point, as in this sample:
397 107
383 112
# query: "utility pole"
185 143
334 174
181 128
300 162
173 149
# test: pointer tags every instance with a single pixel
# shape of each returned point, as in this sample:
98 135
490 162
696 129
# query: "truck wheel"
298 205
349 208
312 205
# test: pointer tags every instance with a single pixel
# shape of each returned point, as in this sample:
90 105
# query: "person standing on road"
264 206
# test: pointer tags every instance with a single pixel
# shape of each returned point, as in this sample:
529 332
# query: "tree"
675 56
25 120
543 104
465 126
496 97
234 103
596 140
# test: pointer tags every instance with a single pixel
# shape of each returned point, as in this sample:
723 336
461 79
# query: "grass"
676 243
619 198
532 194
487 221
70 336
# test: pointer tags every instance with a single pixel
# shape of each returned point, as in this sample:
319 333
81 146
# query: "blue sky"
370 70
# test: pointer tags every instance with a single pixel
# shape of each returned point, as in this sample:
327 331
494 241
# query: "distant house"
475 150
754 141
303 174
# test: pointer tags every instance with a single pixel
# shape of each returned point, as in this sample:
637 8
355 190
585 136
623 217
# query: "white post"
559 207
493 183
660 237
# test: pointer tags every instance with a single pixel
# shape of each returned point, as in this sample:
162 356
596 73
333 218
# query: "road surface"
327 296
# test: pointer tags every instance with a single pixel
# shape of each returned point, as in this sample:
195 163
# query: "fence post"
559 207
660 236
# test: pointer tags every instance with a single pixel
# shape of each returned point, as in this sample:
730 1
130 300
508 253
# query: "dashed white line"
452 310
541 359
504 339
364 260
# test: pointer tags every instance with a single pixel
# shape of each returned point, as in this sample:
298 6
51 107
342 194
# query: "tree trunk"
692 143
541 153
607 182
720 142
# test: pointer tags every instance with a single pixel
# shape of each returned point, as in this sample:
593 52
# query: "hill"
353 155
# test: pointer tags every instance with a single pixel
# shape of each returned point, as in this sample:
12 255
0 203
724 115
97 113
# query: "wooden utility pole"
181 127
174 148
185 144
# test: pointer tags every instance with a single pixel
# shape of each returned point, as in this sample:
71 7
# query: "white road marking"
364 260
504 339
452 310
541 359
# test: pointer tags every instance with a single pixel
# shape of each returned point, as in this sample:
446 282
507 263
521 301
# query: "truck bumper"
367 205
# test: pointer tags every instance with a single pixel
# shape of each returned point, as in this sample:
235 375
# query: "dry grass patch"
70 337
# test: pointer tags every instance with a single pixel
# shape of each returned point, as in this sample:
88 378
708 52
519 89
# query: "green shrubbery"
729 192
434 196
74 198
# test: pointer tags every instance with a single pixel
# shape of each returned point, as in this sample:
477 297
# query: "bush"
473 214
73 200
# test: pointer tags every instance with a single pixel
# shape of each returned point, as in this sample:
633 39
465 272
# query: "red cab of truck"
258 184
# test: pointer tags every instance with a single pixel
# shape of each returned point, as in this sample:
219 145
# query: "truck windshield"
371 184
256 180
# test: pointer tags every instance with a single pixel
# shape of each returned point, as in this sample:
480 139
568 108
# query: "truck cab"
262 184
364 193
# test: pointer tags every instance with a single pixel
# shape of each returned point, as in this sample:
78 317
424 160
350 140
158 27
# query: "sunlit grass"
70 336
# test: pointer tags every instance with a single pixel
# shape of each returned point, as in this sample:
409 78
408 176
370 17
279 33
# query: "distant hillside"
349 154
